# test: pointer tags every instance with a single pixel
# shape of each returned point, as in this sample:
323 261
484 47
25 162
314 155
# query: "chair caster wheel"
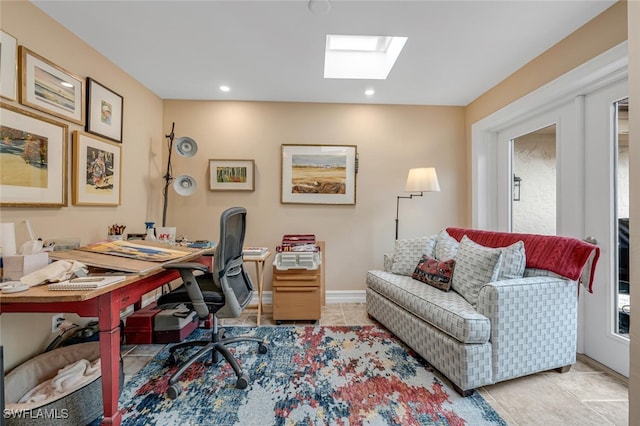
242 382
174 391
173 359
262 349
278 322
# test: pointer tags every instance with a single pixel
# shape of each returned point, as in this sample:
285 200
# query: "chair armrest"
533 324
187 265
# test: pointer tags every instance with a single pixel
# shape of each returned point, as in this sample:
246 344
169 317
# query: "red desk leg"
109 322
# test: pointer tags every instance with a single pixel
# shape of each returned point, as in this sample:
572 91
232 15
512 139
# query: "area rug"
311 375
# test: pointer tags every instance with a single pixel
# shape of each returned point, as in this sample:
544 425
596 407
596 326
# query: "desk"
106 304
260 262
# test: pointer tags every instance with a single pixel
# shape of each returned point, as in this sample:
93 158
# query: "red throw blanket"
565 256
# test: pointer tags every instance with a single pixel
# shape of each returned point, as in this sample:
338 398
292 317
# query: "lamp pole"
410 196
167 177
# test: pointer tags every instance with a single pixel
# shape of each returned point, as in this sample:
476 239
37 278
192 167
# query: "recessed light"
369 92
225 88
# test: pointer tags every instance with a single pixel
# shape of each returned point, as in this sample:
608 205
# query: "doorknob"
591 240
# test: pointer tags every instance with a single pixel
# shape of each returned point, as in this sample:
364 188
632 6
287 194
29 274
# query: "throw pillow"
446 247
407 253
434 272
476 265
514 261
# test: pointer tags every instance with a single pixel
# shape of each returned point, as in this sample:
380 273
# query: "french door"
558 172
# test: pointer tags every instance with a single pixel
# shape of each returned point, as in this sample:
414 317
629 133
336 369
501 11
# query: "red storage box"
139 326
174 325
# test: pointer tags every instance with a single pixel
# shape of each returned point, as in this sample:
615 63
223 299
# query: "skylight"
361 57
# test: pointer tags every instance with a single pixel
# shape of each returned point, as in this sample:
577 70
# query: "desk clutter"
154 325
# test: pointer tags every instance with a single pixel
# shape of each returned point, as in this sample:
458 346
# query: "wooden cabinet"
298 294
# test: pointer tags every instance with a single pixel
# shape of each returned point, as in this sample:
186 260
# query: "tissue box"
17 266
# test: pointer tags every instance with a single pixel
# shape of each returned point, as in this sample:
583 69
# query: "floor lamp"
419 180
184 185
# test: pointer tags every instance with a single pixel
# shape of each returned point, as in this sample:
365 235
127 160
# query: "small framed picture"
104 111
8 65
33 160
231 175
49 88
319 174
97 178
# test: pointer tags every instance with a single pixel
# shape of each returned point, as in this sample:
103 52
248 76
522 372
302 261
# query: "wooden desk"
106 304
260 262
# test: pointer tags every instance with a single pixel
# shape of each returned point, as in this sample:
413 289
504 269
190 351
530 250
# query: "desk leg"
260 276
109 322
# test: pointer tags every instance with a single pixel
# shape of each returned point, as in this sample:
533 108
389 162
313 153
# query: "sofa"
482 307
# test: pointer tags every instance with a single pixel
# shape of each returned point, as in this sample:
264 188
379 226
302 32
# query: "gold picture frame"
232 175
319 174
33 159
49 88
97 171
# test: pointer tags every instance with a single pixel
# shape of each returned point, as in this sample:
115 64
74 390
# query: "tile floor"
587 395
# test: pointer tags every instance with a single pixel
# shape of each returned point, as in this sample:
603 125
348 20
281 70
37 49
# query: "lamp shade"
422 180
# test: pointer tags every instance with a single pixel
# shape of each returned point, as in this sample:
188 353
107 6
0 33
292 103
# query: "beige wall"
142 136
634 167
390 140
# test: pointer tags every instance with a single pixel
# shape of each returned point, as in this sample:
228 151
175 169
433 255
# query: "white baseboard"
332 296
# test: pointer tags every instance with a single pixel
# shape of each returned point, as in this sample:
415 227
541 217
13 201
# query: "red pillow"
434 272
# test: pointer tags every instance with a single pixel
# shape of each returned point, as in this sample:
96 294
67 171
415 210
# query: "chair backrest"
228 267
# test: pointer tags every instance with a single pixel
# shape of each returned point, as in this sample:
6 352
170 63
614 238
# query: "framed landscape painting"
33 159
49 88
97 177
319 174
231 175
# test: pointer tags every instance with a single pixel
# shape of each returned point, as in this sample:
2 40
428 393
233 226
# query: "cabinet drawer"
296 302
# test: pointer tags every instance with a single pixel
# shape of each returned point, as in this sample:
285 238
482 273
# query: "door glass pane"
533 205
622 216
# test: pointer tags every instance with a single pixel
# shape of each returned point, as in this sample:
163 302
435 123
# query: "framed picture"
231 175
97 177
319 174
104 111
8 65
49 88
33 159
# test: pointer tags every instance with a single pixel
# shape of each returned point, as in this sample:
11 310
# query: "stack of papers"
254 251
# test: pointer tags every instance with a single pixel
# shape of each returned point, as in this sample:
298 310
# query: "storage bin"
174 325
139 326
79 407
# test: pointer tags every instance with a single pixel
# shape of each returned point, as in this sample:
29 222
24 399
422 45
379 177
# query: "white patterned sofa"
511 310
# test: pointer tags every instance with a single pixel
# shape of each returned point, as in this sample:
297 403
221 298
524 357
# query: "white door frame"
487 161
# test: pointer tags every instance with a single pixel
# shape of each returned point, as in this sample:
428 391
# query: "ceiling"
274 50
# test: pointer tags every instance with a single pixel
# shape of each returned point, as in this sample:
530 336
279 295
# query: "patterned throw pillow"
476 265
434 272
407 253
513 263
446 247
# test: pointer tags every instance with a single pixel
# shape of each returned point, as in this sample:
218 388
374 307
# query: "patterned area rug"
310 376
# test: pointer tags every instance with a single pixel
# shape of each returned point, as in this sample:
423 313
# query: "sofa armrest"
533 324
388 261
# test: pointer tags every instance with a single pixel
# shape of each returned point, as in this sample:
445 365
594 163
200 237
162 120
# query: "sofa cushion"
446 247
407 253
436 273
476 265
513 263
447 311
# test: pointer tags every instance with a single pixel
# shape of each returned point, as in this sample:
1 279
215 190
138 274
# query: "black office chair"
224 293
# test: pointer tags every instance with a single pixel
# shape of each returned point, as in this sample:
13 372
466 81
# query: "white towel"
68 379
57 271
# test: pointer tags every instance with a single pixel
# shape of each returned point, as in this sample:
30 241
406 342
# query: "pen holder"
115 237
